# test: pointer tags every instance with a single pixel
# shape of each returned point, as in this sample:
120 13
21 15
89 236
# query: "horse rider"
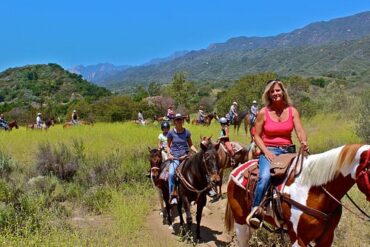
253 113
224 137
162 139
74 117
178 144
274 126
202 115
3 123
39 121
233 111
140 117
170 112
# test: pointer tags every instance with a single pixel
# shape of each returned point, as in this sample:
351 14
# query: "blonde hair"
266 94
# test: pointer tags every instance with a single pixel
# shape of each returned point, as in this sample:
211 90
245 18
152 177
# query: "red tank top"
278 133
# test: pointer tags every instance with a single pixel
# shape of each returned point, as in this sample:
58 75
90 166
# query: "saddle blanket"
237 175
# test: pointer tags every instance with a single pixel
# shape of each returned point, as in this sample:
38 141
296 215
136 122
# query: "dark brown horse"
207 119
12 124
197 176
325 178
156 167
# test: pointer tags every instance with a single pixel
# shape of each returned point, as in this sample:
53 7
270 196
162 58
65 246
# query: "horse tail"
229 217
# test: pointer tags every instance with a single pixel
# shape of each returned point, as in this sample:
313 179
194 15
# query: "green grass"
118 219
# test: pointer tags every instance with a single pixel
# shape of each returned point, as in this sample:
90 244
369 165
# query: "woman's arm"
258 135
190 144
169 143
301 134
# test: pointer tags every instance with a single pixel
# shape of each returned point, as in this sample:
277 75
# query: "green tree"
181 90
154 89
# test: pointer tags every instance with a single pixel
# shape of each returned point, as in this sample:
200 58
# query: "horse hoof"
161 213
171 228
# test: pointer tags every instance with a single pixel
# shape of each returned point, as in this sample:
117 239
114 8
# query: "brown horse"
197 176
12 124
47 124
324 180
240 157
207 119
156 167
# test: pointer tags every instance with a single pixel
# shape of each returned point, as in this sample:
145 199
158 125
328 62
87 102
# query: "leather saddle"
279 166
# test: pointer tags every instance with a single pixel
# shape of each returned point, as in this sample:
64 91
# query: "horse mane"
324 167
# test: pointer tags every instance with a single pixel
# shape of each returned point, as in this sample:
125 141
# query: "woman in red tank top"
274 126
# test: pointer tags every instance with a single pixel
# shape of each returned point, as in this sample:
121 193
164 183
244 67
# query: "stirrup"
252 220
232 162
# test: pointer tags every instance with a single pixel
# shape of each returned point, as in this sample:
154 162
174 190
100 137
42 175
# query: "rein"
364 217
191 187
296 170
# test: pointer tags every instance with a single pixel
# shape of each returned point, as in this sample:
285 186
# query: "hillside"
36 84
311 50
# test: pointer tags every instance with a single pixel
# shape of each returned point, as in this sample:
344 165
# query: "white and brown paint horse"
336 171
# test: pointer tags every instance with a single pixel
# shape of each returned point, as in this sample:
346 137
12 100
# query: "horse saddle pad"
246 175
165 169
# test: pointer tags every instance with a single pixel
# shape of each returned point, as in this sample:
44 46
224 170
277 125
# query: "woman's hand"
269 155
305 146
170 157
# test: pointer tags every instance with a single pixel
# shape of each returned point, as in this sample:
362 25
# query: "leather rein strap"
188 185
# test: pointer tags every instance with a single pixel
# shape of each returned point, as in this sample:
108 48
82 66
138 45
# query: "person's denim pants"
171 175
264 177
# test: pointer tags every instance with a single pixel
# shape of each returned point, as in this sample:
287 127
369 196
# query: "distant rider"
233 111
140 118
3 123
39 121
253 113
170 112
74 117
202 115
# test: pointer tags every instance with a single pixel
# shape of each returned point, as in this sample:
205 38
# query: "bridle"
191 187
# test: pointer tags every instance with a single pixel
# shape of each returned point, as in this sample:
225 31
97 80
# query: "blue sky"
73 32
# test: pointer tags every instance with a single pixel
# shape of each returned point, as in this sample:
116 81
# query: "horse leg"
243 234
200 204
189 219
220 185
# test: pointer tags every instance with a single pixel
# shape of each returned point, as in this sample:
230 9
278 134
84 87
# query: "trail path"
213 232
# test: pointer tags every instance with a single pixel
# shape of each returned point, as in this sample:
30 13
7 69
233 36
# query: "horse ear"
203 146
149 148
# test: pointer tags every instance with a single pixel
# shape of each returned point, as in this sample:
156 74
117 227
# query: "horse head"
210 157
363 174
155 159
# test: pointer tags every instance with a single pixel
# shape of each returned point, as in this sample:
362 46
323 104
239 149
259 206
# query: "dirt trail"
213 232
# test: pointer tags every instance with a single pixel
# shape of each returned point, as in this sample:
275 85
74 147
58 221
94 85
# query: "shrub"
98 198
58 160
363 120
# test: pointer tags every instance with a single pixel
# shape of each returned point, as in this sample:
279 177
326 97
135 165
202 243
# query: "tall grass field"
86 185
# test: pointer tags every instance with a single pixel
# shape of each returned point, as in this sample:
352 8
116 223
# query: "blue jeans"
171 175
264 177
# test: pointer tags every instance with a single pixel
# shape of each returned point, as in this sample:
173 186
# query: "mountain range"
340 46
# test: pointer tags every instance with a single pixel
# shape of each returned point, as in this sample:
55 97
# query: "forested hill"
35 85
301 52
